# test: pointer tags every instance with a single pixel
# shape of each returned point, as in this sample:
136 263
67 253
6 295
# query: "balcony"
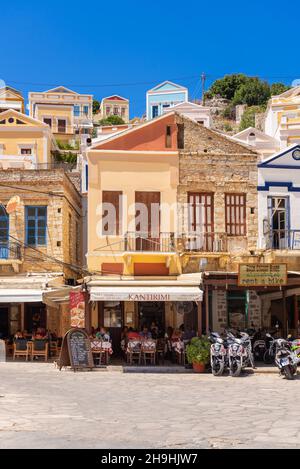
10 250
205 242
283 239
140 241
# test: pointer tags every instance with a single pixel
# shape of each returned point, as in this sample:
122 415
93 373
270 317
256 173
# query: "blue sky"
133 45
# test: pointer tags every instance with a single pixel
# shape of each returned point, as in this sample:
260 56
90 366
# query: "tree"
96 106
253 92
112 120
227 86
248 118
278 88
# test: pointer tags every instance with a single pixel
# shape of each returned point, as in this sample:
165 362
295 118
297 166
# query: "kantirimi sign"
262 275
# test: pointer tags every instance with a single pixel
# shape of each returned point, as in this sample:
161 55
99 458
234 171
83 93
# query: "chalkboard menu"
76 350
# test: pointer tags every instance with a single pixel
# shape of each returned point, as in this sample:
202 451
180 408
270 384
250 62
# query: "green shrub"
198 351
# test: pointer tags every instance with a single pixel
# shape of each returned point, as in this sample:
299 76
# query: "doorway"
151 311
147 215
279 222
4 322
35 316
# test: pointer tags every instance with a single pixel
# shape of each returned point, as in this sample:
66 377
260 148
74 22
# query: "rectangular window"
36 225
116 111
76 111
48 121
61 124
111 212
154 111
235 214
180 136
107 110
201 220
85 110
26 151
168 137
123 111
78 239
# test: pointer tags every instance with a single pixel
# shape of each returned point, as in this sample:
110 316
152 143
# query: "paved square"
41 407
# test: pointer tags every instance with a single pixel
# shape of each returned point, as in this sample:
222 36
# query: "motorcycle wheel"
288 372
235 369
217 368
268 359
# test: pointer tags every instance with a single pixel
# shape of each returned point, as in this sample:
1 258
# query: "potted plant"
198 352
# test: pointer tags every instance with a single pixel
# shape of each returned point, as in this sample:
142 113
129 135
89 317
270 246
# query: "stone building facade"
218 184
40 245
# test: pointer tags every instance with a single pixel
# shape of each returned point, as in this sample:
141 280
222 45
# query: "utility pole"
203 78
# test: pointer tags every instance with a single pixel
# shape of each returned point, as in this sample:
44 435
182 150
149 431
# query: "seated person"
176 334
188 334
19 335
131 334
40 334
145 334
103 334
154 330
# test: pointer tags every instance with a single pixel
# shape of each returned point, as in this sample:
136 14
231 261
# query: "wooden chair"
20 349
39 349
53 348
161 349
98 352
149 351
179 349
133 351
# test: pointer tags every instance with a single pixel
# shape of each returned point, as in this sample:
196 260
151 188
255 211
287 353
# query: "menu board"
76 350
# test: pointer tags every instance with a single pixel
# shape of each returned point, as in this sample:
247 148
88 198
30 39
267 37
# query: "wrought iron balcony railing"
141 241
206 242
10 250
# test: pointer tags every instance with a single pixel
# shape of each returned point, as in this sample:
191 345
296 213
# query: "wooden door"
147 216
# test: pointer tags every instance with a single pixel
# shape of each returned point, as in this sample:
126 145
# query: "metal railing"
142 241
10 250
283 239
56 165
206 242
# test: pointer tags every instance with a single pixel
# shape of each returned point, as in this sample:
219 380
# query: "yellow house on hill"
25 143
11 99
66 112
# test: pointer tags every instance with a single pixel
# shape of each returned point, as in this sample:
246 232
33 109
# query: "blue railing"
284 239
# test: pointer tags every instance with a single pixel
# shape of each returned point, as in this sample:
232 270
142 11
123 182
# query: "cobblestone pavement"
41 407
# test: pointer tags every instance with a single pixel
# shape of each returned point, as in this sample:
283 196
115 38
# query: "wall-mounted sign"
262 275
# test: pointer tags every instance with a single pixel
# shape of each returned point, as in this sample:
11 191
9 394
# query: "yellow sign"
262 275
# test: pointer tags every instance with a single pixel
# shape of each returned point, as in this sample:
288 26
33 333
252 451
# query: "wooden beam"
206 310
199 318
285 318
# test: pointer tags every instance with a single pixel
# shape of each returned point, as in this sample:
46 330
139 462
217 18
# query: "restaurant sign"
262 275
77 309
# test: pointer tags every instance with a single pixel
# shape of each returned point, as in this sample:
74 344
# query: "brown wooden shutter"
114 198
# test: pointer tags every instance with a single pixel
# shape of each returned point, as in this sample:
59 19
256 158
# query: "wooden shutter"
235 214
114 198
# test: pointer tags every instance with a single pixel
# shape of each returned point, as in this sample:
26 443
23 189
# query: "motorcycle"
218 354
285 359
270 352
239 353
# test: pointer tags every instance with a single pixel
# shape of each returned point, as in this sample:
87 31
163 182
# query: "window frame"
36 227
234 227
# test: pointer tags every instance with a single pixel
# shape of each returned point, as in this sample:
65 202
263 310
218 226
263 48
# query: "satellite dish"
183 307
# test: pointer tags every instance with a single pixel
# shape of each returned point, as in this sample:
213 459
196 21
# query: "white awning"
20 295
146 293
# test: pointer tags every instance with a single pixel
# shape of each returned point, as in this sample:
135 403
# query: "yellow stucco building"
66 112
10 98
25 142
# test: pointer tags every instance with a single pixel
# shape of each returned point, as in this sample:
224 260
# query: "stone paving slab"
42 407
